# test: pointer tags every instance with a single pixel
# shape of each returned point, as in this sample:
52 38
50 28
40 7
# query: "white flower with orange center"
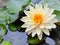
38 20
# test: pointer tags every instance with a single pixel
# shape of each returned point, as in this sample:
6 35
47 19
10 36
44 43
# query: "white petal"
25 25
33 33
51 11
45 10
38 31
37 6
41 26
26 12
30 13
40 36
51 16
31 8
48 11
24 19
31 27
48 18
40 5
46 31
54 20
50 25
29 32
37 9
53 25
46 6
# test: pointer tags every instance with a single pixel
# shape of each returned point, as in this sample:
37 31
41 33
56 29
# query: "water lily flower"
38 20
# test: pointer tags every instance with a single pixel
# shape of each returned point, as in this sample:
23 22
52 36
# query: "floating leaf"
12 18
15 26
6 18
6 43
12 27
34 40
15 6
55 4
3 16
57 14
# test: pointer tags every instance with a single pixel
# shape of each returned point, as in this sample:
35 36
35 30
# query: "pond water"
20 38
16 38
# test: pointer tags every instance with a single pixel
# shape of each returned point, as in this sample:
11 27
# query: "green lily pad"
34 40
14 6
6 43
12 27
54 4
57 14
7 18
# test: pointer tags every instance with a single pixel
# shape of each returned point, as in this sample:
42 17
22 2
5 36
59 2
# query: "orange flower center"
37 18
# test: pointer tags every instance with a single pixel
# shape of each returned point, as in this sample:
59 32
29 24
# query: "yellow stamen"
37 18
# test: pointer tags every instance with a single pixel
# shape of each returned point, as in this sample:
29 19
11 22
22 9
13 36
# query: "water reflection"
50 41
35 1
17 38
